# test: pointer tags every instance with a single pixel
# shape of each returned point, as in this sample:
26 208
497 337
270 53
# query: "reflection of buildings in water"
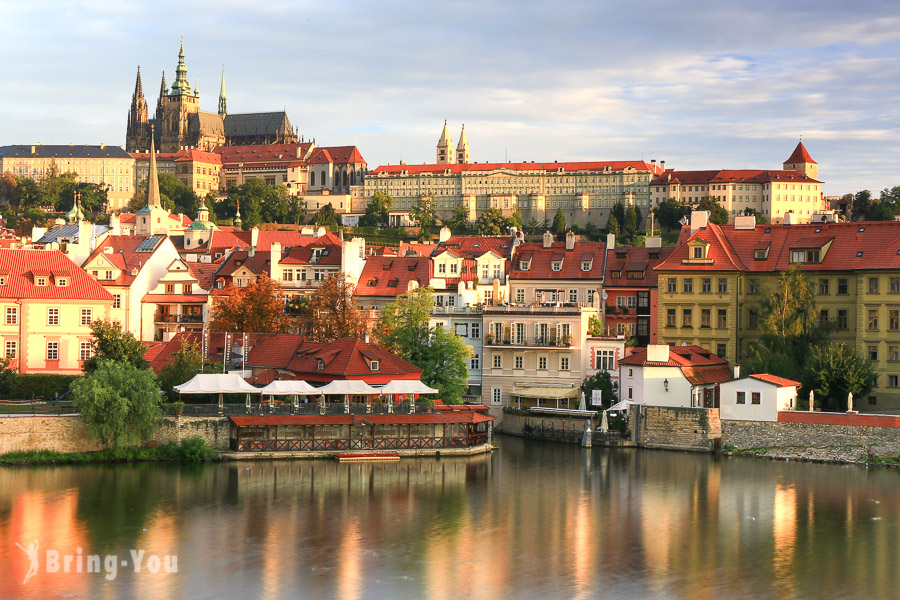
162 539
784 533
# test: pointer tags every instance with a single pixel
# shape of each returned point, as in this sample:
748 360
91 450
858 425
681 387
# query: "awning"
291 387
349 386
408 386
224 383
546 393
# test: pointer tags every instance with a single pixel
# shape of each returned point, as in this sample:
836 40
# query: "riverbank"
189 450
883 455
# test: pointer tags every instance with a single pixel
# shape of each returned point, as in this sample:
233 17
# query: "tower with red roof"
802 162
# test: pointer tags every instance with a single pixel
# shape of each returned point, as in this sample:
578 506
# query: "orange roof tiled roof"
22 267
567 167
800 155
473 246
699 365
776 380
540 261
391 275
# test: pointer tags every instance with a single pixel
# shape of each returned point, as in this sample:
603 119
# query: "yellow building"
103 165
713 288
48 305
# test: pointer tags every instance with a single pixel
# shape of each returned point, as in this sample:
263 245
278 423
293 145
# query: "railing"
548 342
456 310
174 318
405 443
36 407
286 408
540 308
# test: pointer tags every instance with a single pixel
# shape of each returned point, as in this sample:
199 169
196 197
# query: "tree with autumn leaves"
331 312
257 308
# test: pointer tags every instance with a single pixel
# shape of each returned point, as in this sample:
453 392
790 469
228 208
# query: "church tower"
445 154
462 149
223 108
161 100
138 131
180 106
802 162
153 219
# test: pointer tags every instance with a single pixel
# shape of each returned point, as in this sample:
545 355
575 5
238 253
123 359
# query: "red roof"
672 176
554 167
123 254
336 154
22 267
394 419
345 358
626 260
699 365
800 155
540 261
199 156
474 246
204 272
417 248
251 156
267 376
391 275
776 380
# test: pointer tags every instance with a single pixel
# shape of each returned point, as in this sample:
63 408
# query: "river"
533 520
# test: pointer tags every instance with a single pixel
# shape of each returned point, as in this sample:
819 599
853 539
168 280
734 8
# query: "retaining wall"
672 428
817 433
216 431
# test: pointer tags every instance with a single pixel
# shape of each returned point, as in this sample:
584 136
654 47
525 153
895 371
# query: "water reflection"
532 520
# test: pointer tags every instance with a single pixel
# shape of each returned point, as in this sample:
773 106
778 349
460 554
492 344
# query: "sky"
702 84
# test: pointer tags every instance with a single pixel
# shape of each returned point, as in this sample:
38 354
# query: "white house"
672 376
757 397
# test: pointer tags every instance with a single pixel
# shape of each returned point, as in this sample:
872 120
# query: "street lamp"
666 384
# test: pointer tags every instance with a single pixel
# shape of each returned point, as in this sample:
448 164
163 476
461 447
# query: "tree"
459 222
118 402
424 215
670 212
262 203
835 370
186 363
492 222
589 231
533 225
631 220
602 381
327 217
257 308
891 196
717 214
612 224
9 193
112 343
880 211
515 220
377 210
595 326
861 204
405 329
559 223
760 218
332 313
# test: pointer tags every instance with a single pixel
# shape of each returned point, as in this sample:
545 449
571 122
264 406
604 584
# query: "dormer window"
62 282
392 283
585 265
371 282
697 252
374 365
805 256
320 364
761 254
556 265
524 265
2 280
40 281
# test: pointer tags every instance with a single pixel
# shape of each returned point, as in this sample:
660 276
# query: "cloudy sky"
701 84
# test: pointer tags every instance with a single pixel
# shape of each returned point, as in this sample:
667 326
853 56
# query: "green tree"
589 231
424 215
533 225
861 202
186 363
612 224
492 222
377 210
891 196
835 370
459 222
880 211
760 218
631 220
327 217
601 381
110 342
262 203
118 402
257 308
515 220
405 329
559 223
670 212
595 326
717 214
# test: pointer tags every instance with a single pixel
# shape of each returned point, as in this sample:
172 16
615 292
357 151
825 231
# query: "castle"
178 122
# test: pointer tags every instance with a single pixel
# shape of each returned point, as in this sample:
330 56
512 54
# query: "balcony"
530 342
306 284
174 318
456 310
540 308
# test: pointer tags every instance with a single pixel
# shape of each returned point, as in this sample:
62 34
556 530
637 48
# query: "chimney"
275 260
662 165
610 241
444 234
737 371
652 162
366 337
789 218
548 239
699 220
254 237
658 353
744 222
102 146
33 152
570 241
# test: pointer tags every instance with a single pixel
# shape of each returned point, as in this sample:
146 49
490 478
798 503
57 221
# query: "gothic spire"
223 108
138 90
138 121
163 92
181 87
152 178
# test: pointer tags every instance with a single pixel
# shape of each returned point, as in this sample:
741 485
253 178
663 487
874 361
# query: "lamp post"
666 384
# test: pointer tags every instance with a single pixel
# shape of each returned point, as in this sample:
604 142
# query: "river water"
533 520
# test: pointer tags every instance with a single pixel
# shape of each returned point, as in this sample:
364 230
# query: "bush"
191 450
48 387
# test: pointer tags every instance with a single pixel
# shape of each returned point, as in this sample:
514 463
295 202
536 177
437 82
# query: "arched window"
352 177
312 178
323 178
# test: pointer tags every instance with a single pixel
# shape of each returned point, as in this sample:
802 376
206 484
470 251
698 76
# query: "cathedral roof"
336 154
207 123
249 124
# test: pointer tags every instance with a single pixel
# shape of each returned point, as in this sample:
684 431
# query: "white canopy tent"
294 387
349 386
407 386
217 383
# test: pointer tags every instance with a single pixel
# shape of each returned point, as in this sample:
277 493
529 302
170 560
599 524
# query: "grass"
191 450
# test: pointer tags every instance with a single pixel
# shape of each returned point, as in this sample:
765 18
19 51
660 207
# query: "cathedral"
178 122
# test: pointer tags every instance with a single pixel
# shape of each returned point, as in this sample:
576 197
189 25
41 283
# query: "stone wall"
216 431
515 424
673 428
759 434
62 434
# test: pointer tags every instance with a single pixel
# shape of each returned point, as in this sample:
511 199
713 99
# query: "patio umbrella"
812 400
582 405
604 423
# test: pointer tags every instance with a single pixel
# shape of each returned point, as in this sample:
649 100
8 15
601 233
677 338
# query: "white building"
672 376
757 397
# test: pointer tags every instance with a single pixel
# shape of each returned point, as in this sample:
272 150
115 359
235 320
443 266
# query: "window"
842 319
754 397
753 319
873 285
563 363
697 252
893 355
556 265
52 316
705 318
84 350
873 318
741 398
320 364
186 289
442 268
374 365
823 287
723 285
170 287
518 362
108 275
688 285
10 349
706 285
585 265
62 282
87 317
2 280
673 284
52 350
823 316
893 319
462 329
842 286
893 381
12 315
686 317
895 285
117 301
498 360
872 401
520 296
524 264
753 286
542 363
721 350
475 331
573 296
40 281
721 318
475 362
670 317
496 395
454 268
873 352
